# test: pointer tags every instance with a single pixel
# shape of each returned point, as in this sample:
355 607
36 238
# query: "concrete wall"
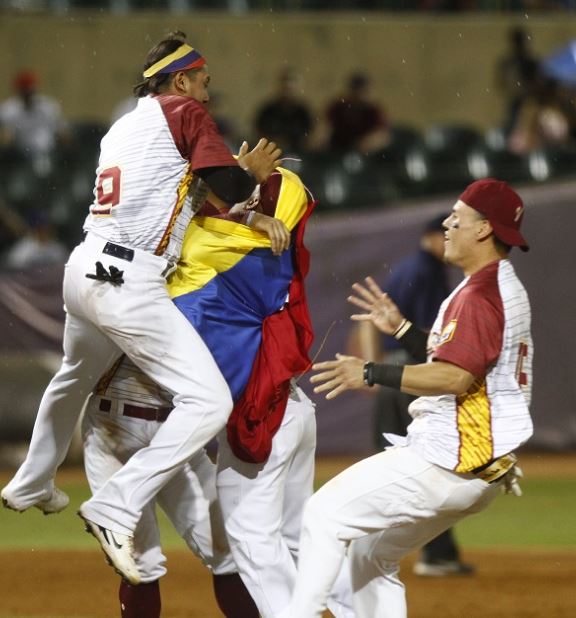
426 69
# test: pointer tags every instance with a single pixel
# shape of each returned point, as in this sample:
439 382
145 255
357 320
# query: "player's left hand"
275 229
378 307
344 373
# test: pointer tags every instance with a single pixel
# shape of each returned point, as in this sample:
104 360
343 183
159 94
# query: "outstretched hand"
379 308
261 161
275 229
344 373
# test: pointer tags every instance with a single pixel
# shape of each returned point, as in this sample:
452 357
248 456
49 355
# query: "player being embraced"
122 416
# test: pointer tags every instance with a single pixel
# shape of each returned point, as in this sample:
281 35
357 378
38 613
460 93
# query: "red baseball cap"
501 205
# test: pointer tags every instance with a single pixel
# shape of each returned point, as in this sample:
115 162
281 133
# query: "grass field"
542 517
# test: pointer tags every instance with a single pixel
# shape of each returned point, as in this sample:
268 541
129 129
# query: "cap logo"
519 212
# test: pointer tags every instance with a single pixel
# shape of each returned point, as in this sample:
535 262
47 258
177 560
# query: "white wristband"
250 217
402 329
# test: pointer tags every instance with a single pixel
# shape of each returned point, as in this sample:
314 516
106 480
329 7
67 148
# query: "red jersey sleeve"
195 133
473 326
269 194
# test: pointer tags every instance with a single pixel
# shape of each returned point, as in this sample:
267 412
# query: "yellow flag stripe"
474 428
212 245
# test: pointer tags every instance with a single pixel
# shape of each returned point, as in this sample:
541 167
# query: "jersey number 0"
107 191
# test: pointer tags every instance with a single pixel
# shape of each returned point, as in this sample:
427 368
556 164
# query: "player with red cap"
501 205
473 384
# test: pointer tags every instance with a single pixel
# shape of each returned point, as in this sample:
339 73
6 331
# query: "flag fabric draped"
249 306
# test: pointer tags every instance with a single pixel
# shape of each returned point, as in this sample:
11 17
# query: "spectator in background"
542 119
12 227
31 122
516 75
355 122
225 125
417 284
286 119
38 246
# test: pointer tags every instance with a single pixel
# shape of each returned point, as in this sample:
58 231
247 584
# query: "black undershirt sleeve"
414 341
231 184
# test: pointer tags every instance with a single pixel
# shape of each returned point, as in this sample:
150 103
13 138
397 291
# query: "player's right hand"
275 229
339 375
261 161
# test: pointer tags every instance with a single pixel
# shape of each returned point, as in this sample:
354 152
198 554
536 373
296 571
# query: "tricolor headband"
184 58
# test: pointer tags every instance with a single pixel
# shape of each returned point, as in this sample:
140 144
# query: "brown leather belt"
496 469
147 414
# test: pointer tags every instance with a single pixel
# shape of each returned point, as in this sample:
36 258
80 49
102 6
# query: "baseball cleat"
443 568
118 549
56 502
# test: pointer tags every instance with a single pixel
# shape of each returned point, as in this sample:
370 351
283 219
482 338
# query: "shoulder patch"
446 334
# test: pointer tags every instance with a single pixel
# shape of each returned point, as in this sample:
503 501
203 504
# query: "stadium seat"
402 158
457 138
87 135
447 148
552 162
346 180
493 159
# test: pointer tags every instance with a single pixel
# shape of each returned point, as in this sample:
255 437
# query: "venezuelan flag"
228 280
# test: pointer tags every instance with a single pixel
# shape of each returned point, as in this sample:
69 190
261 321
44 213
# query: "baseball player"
266 457
121 417
148 185
228 284
470 415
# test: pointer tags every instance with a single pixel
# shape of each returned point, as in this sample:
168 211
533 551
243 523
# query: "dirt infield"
509 583
78 584
536 465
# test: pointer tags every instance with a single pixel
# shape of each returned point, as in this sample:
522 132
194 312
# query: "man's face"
463 231
194 84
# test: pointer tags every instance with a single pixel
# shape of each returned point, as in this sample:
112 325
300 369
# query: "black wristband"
368 379
386 375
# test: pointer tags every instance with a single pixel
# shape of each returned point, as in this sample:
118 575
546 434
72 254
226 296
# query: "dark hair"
157 83
501 245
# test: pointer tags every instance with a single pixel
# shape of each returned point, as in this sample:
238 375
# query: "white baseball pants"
102 321
262 506
188 499
381 509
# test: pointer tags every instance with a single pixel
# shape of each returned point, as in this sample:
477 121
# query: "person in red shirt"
355 122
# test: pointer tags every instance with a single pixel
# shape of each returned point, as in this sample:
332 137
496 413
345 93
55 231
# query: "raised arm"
382 312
